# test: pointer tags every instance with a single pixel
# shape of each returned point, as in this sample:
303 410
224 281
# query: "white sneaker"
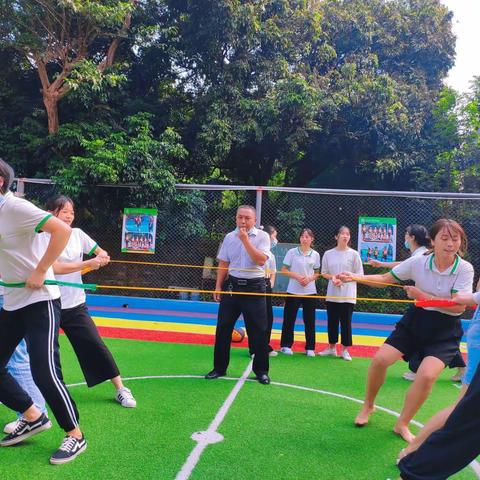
286 351
125 398
346 356
328 352
410 376
10 427
273 353
309 353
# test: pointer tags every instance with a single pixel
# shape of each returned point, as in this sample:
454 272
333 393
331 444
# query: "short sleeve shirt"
423 271
304 264
78 245
335 261
20 222
240 263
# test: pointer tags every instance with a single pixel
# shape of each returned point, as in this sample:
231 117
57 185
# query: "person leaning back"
241 258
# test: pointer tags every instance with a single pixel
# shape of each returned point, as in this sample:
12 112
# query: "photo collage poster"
377 238
139 230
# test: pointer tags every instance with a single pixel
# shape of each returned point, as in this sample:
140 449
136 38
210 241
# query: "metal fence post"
258 206
20 192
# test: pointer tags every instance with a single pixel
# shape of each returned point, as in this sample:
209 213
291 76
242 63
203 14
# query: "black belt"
243 282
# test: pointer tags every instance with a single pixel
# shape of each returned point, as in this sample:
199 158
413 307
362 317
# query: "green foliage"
290 222
285 92
130 155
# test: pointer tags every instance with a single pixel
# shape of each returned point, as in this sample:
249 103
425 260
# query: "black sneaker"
70 448
25 429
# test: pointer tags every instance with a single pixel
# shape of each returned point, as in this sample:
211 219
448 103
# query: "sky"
466 25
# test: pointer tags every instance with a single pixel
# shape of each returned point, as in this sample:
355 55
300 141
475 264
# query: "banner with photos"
139 230
377 238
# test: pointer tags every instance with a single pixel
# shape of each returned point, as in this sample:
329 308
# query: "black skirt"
422 333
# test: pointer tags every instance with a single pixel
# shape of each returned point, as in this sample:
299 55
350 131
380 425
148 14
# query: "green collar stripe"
42 223
84 286
392 273
309 254
455 264
92 251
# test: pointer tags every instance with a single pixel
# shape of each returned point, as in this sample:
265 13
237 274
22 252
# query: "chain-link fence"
191 232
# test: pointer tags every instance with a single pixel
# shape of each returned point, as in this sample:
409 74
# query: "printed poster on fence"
377 238
139 230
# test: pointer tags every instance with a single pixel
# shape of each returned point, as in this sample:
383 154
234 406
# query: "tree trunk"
50 101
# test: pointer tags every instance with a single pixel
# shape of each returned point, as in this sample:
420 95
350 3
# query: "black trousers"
340 314
38 323
95 359
268 301
453 447
292 304
254 311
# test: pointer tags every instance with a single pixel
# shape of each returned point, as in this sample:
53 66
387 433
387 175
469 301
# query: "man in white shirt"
241 260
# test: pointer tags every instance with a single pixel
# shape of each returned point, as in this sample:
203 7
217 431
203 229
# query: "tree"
379 88
68 42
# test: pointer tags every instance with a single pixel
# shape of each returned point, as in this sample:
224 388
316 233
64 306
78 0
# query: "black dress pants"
269 304
254 311
339 313
292 304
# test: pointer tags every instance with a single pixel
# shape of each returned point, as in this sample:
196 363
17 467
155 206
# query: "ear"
2 182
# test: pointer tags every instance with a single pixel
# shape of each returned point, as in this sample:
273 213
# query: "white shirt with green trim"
304 264
336 261
78 245
233 251
20 222
423 271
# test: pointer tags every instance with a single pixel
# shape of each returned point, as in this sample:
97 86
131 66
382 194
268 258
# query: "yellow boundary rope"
285 295
212 267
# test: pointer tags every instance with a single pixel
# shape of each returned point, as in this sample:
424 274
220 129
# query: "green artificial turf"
270 432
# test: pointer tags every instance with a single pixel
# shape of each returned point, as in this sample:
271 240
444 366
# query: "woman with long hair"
301 264
341 297
432 333
95 359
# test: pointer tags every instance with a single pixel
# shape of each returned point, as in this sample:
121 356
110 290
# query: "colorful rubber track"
192 322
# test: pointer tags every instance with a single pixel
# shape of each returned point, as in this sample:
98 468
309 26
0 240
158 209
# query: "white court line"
475 465
209 436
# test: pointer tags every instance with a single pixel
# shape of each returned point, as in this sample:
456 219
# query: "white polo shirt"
336 261
423 271
419 251
233 251
20 222
78 245
304 264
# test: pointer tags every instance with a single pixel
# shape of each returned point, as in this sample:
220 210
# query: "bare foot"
362 417
405 433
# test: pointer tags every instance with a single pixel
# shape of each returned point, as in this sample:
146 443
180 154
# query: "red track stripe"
203 339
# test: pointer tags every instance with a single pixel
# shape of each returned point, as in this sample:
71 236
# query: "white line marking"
475 465
211 434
